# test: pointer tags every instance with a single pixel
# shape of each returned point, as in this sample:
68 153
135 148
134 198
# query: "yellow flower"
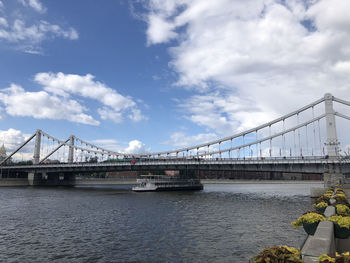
278 254
326 257
342 209
342 221
320 205
308 218
328 195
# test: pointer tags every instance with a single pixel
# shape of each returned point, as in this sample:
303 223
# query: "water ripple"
223 223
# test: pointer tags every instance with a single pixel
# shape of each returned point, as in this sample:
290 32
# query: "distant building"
3 154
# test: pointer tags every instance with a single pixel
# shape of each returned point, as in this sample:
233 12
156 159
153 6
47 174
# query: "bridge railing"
184 161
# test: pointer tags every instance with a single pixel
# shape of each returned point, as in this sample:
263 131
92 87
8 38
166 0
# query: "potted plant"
327 258
336 258
341 226
340 199
324 198
309 220
278 254
321 206
328 194
342 209
330 191
339 191
342 194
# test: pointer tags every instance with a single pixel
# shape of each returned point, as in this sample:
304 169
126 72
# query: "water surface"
222 223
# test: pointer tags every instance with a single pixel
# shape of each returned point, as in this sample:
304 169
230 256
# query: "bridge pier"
51 179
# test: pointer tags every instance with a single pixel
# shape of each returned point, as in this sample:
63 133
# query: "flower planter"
310 228
278 254
320 209
341 232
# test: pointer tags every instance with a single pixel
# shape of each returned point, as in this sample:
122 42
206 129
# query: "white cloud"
35 4
159 30
342 67
26 33
331 15
136 115
34 34
3 22
108 113
12 139
56 100
109 144
136 147
223 112
275 56
115 104
42 105
181 139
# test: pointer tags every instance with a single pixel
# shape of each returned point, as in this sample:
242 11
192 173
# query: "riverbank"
13 182
235 181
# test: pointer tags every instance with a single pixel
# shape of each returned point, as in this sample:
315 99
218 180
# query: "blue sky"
165 74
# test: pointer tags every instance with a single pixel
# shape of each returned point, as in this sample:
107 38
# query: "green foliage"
277 254
341 200
335 258
323 198
320 204
342 221
343 209
308 217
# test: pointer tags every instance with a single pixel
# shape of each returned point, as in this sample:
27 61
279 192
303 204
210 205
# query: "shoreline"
237 181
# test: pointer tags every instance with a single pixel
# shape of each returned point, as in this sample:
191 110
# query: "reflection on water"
222 223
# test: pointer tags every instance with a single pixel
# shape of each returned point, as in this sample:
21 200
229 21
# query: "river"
222 223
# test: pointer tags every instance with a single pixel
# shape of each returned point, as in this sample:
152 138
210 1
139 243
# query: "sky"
152 75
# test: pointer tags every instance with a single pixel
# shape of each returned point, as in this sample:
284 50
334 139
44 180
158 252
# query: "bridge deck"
304 165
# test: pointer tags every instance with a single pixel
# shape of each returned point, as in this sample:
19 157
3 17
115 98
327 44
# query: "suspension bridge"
303 141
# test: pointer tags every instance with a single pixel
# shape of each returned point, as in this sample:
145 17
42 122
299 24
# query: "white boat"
150 183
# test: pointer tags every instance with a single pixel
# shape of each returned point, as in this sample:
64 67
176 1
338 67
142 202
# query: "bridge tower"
333 176
36 157
71 149
332 141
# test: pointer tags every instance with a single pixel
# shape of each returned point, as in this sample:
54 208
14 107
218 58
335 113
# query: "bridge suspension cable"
240 145
268 124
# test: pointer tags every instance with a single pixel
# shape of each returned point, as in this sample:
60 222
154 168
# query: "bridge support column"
332 141
71 149
34 179
332 179
36 157
51 179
